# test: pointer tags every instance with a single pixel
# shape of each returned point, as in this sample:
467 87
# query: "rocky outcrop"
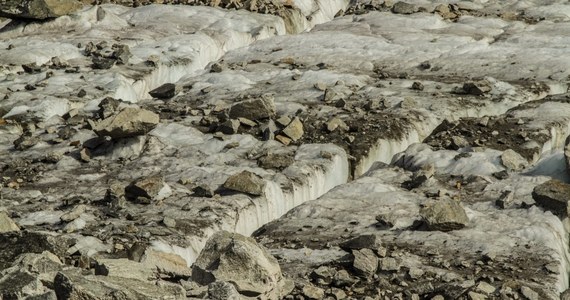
239 260
37 9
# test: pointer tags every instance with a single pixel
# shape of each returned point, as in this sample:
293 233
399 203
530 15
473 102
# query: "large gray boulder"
127 123
37 9
255 109
444 215
237 259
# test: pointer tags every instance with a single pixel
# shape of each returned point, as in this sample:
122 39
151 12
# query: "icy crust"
370 59
512 235
180 40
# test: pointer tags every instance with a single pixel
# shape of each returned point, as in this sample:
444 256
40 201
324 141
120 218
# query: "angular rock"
368 241
229 127
389 264
513 161
102 63
505 200
203 190
128 122
256 109
7 224
37 9
25 276
165 91
365 262
336 123
477 88
276 161
146 189
553 195
245 182
166 263
323 275
240 260
74 213
529 293
30 242
73 284
444 215
294 130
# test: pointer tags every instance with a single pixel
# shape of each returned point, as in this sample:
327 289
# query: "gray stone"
565 295
567 154
245 182
26 275
444 215
336 123
276 160
323 275
222 290
203 190
477 88
404 8
240 260
7 224
513 161
529 293
458 142
369 241
505 199
416 273
312 292
73 284
165 263
165 91
102 63
37 9
121 53
476 296
389 264
127 123
123 268
30 242
74 213
294 130
365 262
229 127
553 195
147 188
485 288
256 109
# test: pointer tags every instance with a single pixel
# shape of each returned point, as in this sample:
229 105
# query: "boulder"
128 122
146 189
245 182
477 88
28 274
404 8
444 215
123 268
365 262
37 9
73 284
165 91
553 195
369 241
513 161
237 259
221 290
255 109
29 242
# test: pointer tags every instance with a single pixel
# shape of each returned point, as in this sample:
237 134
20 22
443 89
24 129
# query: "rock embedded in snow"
230 126
127 123
7 224
369 241
234 258
245 182
254 109
165 91
37 9
513 161
477 88
444 215
553 195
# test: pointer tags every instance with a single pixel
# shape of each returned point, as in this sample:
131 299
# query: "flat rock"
245 182
128 122
477 88
73 284
123 268
240 260
369 241
30 242
294 130
444 215
553 195
37 9
404 8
